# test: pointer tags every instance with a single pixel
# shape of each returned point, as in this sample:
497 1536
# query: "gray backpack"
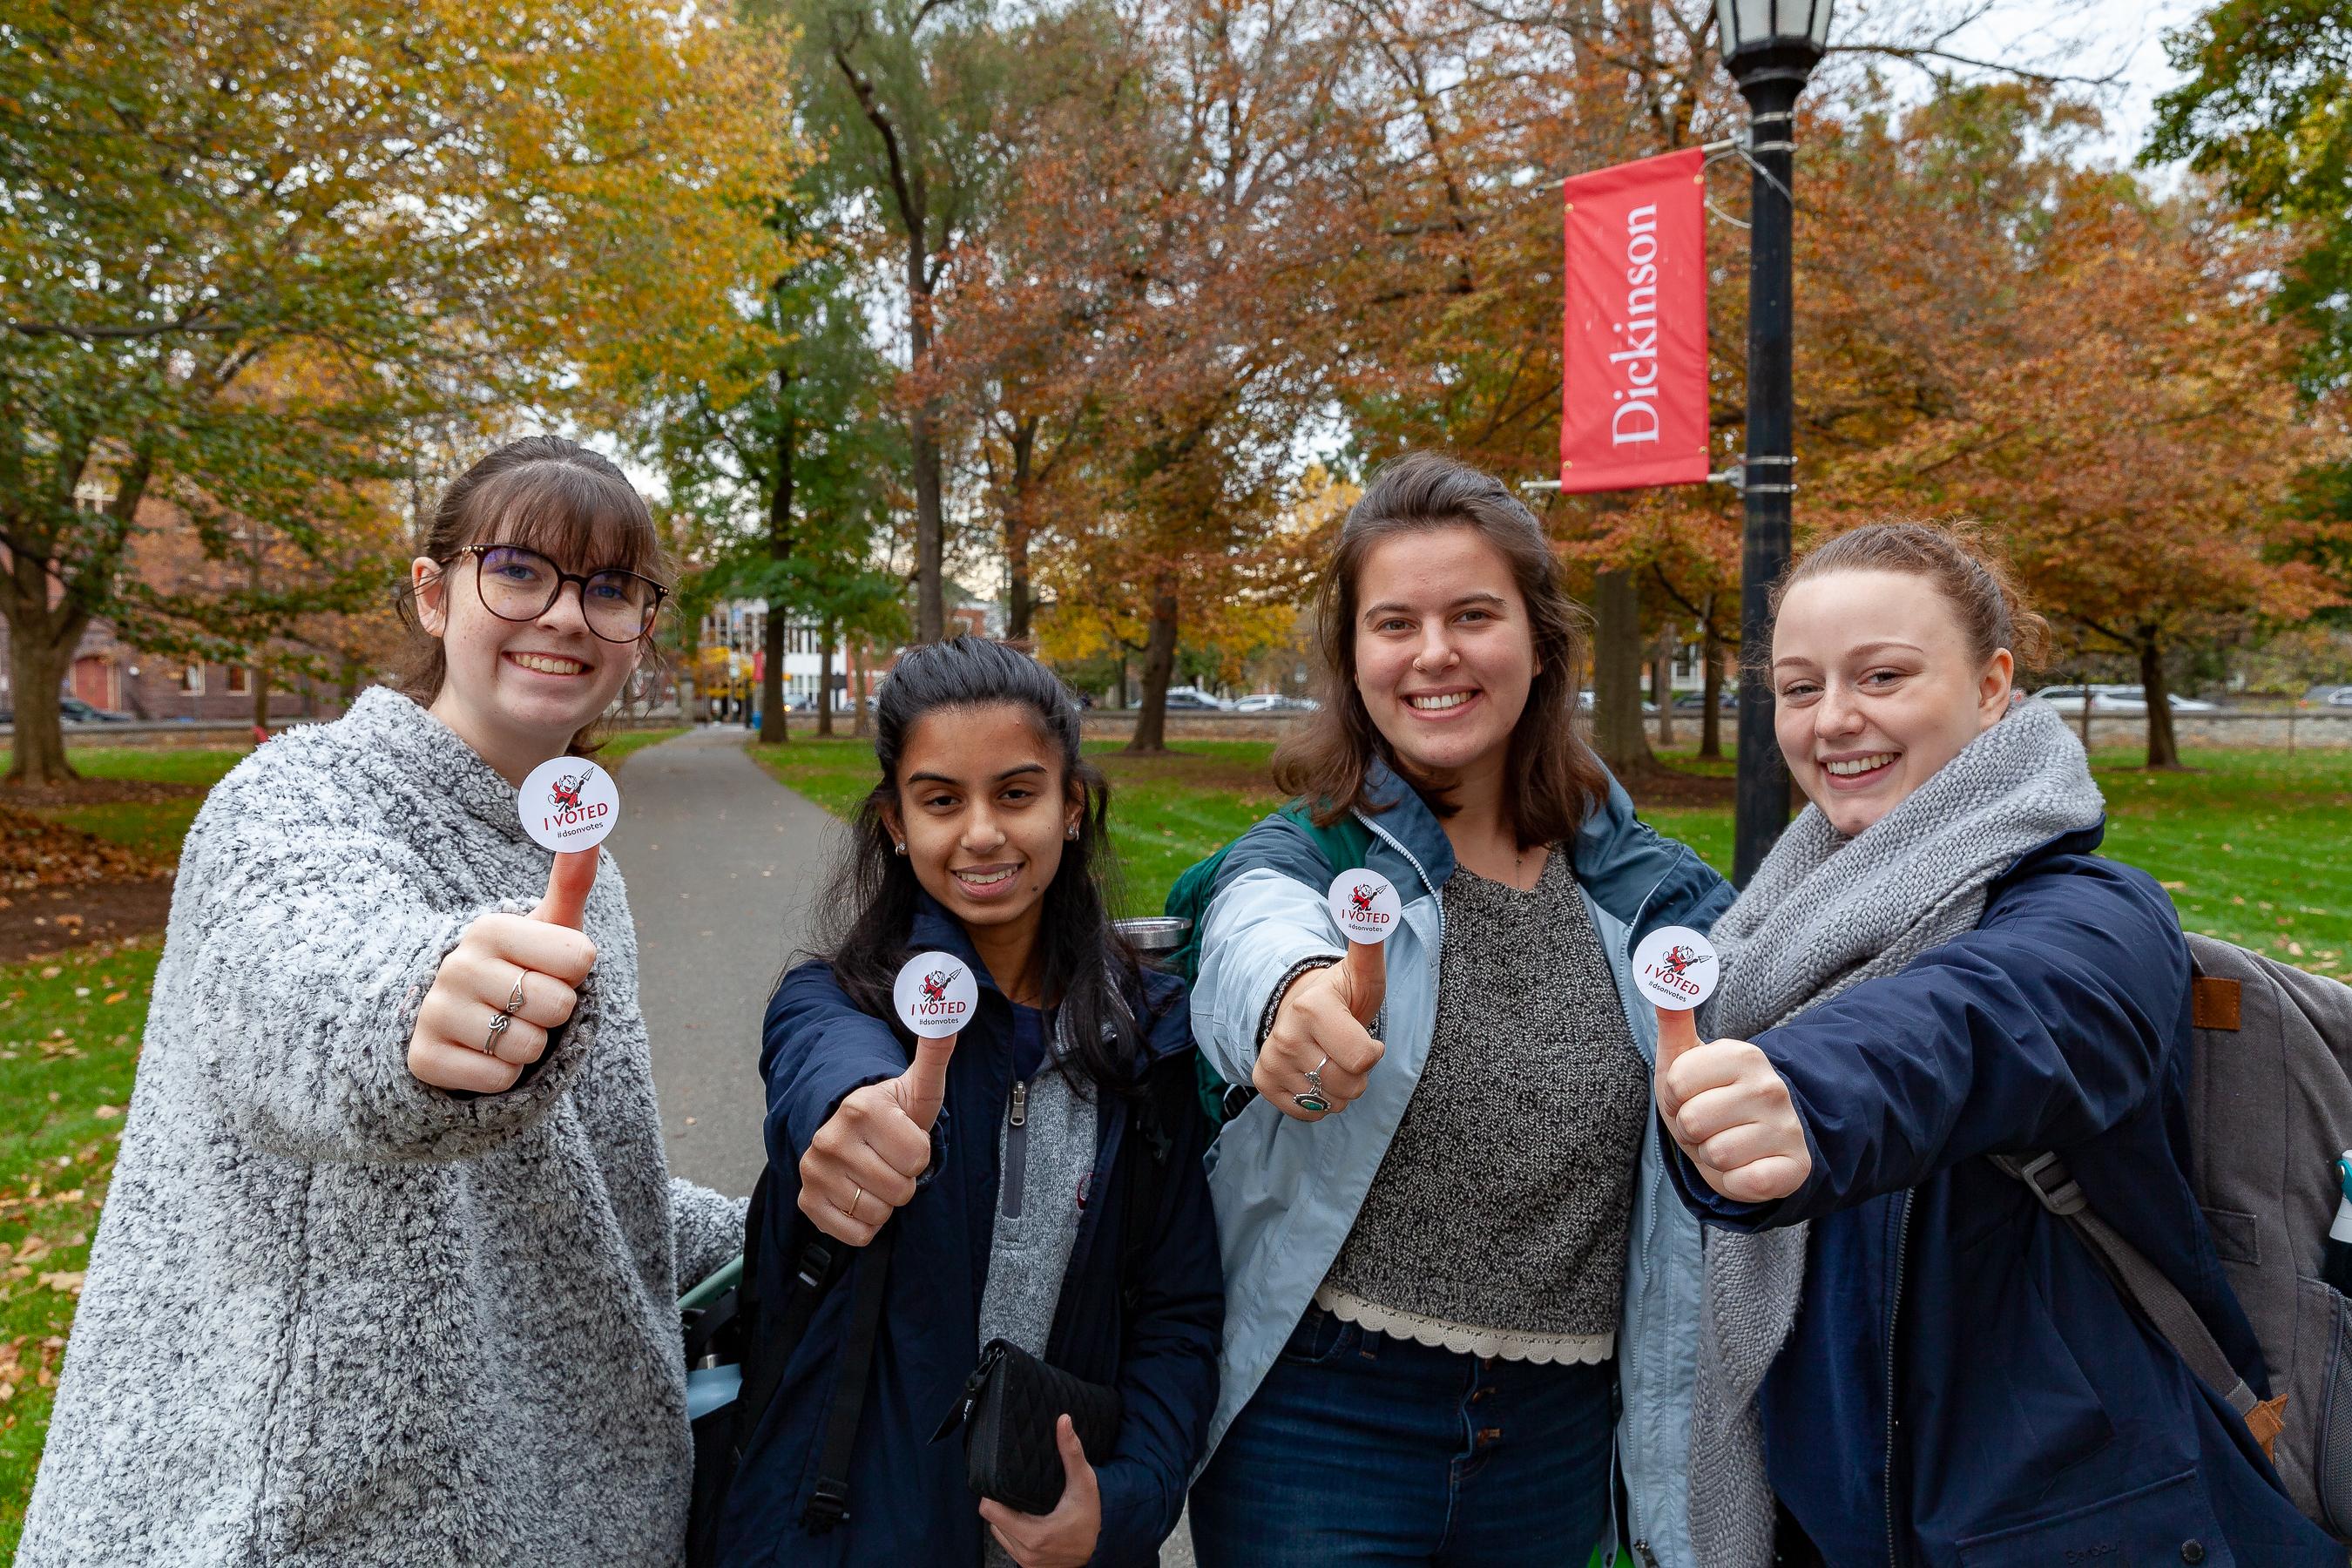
2270 1110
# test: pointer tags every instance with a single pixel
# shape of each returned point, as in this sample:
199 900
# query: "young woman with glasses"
389 1270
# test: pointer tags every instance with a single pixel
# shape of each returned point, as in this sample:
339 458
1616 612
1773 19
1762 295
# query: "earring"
902 847
1072 836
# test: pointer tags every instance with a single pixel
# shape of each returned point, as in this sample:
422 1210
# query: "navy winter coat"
1963 1384
909 1504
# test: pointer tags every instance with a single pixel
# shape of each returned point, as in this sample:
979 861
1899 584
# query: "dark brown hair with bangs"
544 493
1555 781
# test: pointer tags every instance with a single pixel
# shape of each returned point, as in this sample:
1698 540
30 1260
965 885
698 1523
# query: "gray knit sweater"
334 1316
1496 1224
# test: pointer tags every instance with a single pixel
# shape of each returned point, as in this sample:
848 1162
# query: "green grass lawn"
2252 844
69 1031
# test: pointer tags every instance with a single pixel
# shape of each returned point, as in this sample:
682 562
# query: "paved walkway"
723 864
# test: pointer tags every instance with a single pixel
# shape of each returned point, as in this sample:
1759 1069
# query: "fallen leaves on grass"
35 853
69 1283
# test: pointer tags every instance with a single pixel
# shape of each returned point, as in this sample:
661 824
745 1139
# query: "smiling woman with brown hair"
1932 972
1432 1298
388 1271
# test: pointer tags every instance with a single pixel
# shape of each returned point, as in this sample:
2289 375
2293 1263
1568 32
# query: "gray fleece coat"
334 1316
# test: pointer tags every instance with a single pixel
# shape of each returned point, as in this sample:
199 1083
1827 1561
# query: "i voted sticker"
1675 967
935 995
1364 904
569 803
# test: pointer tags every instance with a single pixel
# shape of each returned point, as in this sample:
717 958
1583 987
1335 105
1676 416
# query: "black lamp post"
1771 47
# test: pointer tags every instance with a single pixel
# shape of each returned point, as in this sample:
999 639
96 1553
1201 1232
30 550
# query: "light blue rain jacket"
1288 1192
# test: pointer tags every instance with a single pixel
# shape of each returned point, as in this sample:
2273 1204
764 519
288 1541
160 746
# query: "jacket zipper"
1631 1348
1893 1313
1016 1150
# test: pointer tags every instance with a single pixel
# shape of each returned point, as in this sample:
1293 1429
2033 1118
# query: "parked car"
1274 702
2342 698
74 710
1193 697
2323 694
2121 701
1726 702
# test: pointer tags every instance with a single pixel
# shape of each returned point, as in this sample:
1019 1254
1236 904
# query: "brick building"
109 673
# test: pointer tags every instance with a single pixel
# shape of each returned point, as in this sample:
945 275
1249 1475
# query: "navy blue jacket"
1963 1384
909 1504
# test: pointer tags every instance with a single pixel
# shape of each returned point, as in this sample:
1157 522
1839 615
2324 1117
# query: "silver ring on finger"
1317 1097
514 997
499 1023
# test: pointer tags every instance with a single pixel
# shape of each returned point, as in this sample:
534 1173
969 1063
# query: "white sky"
2092 38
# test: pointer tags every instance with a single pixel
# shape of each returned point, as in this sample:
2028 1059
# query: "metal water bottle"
2335 1261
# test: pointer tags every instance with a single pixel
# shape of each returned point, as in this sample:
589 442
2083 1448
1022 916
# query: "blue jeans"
1360 1449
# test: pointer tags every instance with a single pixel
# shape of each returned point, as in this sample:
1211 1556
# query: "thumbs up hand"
1728 1109
1320 1027
510 980
862 1165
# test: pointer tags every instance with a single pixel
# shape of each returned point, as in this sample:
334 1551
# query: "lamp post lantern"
1771 47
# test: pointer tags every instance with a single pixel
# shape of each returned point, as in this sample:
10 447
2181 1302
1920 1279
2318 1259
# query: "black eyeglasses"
519 584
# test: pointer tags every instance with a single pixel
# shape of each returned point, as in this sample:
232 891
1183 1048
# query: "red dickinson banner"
1633 404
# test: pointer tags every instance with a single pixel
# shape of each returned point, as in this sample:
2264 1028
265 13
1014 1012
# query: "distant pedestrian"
389 1269
1038 1176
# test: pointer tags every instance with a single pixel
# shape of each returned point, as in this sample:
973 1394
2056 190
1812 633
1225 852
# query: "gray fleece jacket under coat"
334 1316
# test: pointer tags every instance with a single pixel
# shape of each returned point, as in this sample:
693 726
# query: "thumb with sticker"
1722 1101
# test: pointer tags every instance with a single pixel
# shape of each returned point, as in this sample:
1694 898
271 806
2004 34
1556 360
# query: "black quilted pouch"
1010 1405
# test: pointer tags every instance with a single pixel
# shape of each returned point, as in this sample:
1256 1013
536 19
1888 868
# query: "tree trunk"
824 681
1118 697
262 696
1158 667
1019 602
773 728
771 679
36 665
2163 750
1661 686
1710 722
1617 662
922 435
861 659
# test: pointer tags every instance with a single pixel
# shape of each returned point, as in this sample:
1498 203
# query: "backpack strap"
2145 1286
829 1504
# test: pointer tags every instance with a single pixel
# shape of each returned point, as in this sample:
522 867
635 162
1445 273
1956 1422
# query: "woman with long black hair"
1030 1191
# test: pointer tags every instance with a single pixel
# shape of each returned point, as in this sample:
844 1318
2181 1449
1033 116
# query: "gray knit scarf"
1825 912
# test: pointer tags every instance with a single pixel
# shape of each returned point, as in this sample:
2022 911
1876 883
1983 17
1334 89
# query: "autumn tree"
242 247
2263 112
906 96
1454 336
2087 371
790 449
